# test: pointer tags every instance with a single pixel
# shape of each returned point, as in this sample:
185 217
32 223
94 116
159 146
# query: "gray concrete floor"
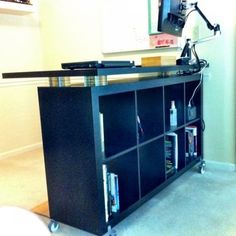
193 205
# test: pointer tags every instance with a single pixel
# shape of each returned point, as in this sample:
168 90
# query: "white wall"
219 88
71 31
19 119
20 51
20 42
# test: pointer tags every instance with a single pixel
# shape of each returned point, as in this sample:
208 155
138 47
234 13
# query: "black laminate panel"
67 127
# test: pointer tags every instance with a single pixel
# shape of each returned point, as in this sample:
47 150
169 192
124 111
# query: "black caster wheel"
53 226
111 232
202 167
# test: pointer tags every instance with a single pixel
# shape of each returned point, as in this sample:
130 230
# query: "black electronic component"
191 112
96 64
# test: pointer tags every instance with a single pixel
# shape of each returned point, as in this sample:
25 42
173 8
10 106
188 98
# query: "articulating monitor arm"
216 28
185 57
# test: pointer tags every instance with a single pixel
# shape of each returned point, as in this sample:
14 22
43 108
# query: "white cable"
201 72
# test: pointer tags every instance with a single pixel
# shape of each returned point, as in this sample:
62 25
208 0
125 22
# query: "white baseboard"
221 165
20 150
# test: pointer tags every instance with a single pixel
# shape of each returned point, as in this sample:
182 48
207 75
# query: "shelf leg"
59 81
95 80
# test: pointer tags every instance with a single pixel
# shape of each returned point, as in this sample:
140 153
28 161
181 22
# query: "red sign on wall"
163 40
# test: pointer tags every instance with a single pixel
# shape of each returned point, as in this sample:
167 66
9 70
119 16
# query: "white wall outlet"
195 32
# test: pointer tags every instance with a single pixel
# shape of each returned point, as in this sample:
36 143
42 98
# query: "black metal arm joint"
209 25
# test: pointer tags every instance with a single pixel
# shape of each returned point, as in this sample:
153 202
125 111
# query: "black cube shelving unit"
131 140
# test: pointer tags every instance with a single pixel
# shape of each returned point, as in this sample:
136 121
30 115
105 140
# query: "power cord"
200 82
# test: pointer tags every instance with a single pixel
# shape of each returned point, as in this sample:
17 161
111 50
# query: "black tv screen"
171 16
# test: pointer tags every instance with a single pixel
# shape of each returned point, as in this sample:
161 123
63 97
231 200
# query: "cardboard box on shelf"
158 61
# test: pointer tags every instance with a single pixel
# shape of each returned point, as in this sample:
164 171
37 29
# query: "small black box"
191 112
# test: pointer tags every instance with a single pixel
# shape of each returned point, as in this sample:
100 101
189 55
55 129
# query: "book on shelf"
101 121
171 152
111 193
191 141
104 173
115 203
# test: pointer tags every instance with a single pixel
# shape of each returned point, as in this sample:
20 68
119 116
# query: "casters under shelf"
53 226
111 232
202 167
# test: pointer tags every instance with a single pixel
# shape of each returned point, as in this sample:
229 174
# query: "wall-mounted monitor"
171 17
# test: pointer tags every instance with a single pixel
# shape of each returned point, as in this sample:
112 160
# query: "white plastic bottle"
173 115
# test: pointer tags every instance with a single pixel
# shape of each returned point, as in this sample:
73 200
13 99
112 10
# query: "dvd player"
97 64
